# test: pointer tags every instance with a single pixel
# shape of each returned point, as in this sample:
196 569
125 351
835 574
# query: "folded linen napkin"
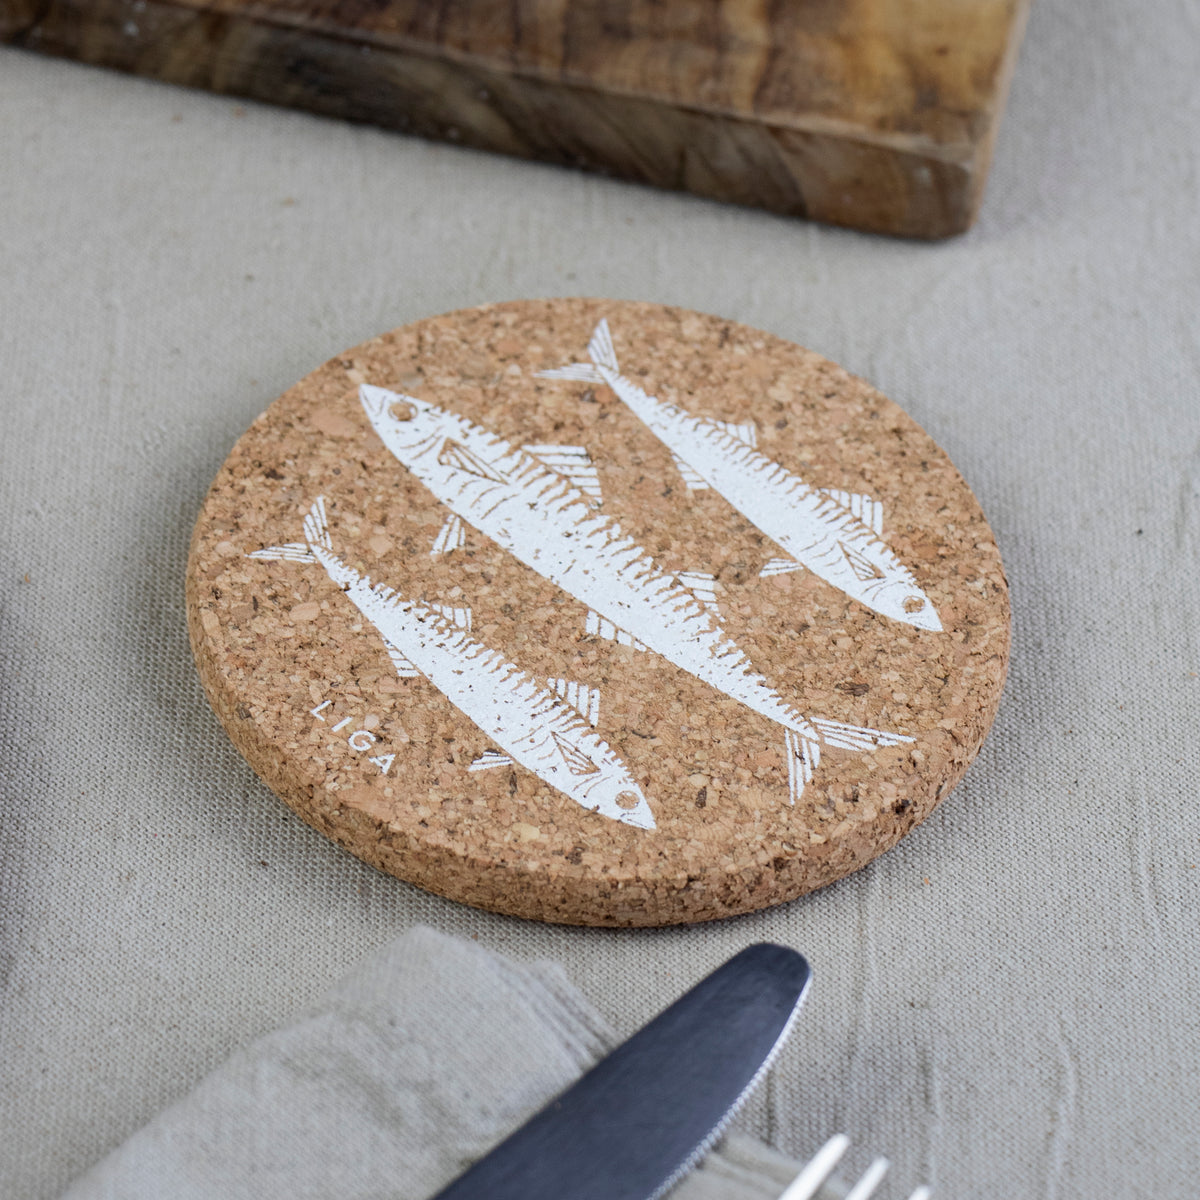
414 1065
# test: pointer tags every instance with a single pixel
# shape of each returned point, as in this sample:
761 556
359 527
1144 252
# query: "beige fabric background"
415 1064
1025 1023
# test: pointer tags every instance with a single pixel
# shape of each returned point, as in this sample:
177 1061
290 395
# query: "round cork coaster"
598 612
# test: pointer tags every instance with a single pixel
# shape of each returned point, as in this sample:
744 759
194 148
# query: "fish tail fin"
316 525
804 753
289 552
855 737
803 758
600 348
600 351
575 373
316 533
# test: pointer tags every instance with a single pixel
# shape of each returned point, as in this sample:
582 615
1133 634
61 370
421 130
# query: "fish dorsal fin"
781 566
456 455
600 348
575 464
866 508
837 495
744 431
583 699
803 757
855 737
316 525
872 513
577 762
451 536
381 590
456 615
489 759
703 586
862 566
602 627
691 477
291 552
404 668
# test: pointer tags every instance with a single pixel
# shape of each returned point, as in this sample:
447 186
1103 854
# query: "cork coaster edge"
492 882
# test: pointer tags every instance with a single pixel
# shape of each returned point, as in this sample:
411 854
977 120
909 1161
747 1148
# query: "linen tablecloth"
1005 1004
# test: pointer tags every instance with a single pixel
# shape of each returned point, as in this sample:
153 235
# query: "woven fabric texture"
1005 1003
411 1067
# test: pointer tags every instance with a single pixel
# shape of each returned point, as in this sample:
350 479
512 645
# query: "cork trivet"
598 612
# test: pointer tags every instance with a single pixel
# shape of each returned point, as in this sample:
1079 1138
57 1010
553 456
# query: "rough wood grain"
878 114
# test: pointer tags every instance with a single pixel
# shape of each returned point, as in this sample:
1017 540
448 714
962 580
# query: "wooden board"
663 645
878 114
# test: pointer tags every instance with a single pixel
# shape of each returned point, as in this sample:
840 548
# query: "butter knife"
641 1118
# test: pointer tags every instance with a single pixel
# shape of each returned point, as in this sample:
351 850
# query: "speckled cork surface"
730 629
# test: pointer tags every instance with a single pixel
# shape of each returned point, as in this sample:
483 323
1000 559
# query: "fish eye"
628 800
401 410
913 604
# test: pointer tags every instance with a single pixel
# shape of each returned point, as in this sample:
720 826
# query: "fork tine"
870 1180
922 1193
805 1185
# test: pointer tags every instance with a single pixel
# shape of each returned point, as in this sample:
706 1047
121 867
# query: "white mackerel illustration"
545 728
835 534
538 502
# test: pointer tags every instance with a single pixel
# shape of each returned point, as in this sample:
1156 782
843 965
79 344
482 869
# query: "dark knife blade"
642 1117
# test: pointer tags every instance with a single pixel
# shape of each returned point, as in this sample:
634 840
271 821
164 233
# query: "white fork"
816 1181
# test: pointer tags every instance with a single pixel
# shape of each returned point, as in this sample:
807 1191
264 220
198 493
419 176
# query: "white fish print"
547 521
835 534
545 728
